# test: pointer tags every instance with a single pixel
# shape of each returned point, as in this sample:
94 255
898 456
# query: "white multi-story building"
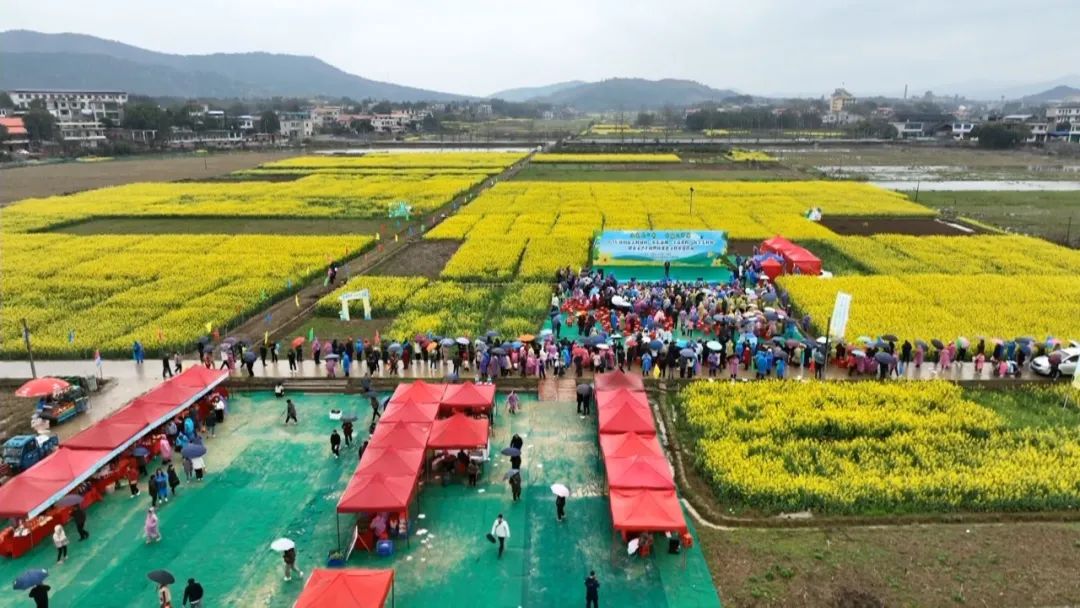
840 118
1069 113
247 122
325 115
840 100
394 122
962 130
219 138
74 106
85 133
296 125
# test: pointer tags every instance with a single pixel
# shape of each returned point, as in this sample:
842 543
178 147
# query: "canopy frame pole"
337 524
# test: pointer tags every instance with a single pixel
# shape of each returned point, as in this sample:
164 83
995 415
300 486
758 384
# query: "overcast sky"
480 46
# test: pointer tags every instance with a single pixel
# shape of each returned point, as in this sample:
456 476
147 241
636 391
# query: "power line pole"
29 351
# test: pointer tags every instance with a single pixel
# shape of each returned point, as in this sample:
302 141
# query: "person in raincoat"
60 539
316 350
920 354
150 526
512 402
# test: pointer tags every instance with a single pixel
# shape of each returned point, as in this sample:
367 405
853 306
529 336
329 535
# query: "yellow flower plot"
747 156
870 447
605 158
404 160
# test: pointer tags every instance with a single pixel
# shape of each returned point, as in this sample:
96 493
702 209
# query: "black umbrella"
583 389
594 340
349 418
889 338
920 343
781 354
161 577
69 501
511 452
193 450
937 343
511 473
498 350
30 578
883 357
250 356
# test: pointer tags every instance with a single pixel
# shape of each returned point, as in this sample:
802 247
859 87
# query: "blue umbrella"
498 351
680 343
395 347
656 345
491 333
511 452
197 440
688 353
193 450
515 344
140 452
449 342
30 578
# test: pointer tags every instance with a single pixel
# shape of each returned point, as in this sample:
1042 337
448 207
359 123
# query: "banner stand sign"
656 247
363 295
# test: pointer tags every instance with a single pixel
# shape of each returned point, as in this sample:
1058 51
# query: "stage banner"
654 247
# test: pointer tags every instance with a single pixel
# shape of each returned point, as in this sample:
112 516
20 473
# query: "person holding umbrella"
561 492
289 557
40 594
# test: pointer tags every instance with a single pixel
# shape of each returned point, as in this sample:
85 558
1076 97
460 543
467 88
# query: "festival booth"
407 410
347 588
777 244
625 415
643 510
419 391
391 461
400 435
459 432
772 268
468 396
91 462
648 472
627 445
618 380
801 261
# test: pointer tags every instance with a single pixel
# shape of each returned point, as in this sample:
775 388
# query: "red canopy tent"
616 380
772 268
652 472
376 493
468 395
777 244
144 412
37 488
200 376
458 431
407 410
348 588
803 260
620 397
625 445
626 417
108 434
391 461
419 391
646 511
401 435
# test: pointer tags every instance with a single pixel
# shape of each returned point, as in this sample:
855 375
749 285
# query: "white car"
1070 358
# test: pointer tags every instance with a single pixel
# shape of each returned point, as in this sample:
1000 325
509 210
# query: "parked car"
1068 359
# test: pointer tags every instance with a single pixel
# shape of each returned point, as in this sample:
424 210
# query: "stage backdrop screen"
654 247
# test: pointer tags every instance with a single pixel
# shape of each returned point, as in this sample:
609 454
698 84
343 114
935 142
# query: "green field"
1043 214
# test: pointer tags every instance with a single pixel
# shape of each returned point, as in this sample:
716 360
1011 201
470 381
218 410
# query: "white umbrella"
559 489
282 544
631 548
602 346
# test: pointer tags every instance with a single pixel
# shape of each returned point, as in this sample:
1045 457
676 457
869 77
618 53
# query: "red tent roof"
109 434
652 472
646 510
616 380
468 395
772 263
200 376
375 493
401 435
142 411
407 410
419 391
348 588
627 417
391 461
620 396
458 431
625 445
38 487
777 244
798 254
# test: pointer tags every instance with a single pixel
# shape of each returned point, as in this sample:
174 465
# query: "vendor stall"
626 445
347 588
619 380
408 410
419 391
650 472
468 396
626 416
646 511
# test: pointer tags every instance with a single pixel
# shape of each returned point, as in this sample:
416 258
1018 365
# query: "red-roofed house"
17 138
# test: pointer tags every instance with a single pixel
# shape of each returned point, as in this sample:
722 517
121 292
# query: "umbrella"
516 344
889 338
526 337
631 547
769 296
920 343
193 450
997 341
602 347
545 333
656 345
883 357
461 340
350 418
680 343
858 353
30 578
777 352
41 387
1024 339
791 343
620 301
491 333
822 339
250 356
559 489
395 347
963 342
866 339
593 340
511 452
197 440
69 501
583 389
141 452
713 345
282 544
1026 348
511 473
688 353
779 339
332 356
161 577
771 315
481 347
937 343
498 350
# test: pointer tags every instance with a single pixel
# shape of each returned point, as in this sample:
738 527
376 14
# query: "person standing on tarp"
592 591
501 531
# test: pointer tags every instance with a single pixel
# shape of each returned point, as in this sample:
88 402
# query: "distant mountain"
992 90
34 59
1058 93
527 93
632 94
